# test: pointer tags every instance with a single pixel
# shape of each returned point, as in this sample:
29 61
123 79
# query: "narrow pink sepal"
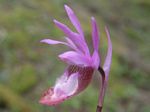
65 29
74 20
108 58
95 34
53 42
72 45
71 35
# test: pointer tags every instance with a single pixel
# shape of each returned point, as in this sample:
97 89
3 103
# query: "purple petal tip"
55 21
66 6
68 9
92 18
42 41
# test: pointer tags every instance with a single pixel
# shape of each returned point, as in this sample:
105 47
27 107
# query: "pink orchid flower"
81 64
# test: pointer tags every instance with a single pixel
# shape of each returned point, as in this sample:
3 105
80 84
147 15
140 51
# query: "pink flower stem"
102 90
99 109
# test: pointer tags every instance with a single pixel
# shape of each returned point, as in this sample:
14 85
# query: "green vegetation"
28 67
23 79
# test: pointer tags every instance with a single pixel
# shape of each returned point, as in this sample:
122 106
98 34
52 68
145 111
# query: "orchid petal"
65 87
69 43
53 42
96 59
75 58
74 20
71 35
65 29
108 58
72 45
95 34
68 86
74 80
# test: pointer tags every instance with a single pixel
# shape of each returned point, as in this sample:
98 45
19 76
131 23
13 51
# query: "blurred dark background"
28 67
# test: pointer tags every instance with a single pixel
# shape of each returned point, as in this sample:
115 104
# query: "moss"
17 40
13 101
133 34
145 109
23 78
144 3
140 78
